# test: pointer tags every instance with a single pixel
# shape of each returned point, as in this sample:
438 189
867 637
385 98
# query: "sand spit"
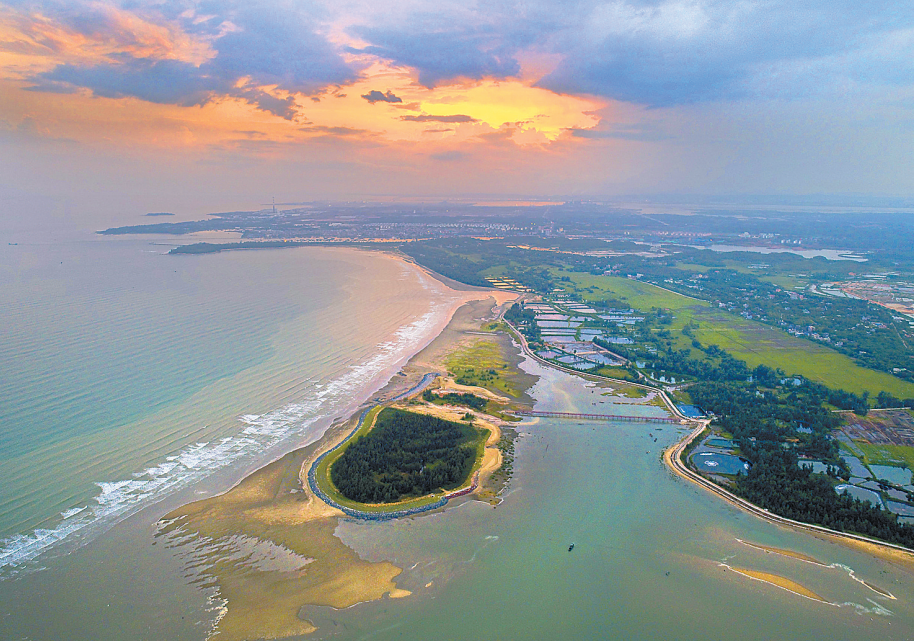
778 581
265 582
879 591
808 559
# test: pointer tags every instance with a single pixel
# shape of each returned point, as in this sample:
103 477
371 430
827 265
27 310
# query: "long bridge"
599 417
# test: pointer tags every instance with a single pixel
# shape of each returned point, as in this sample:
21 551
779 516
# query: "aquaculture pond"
894 475
719 463
859 493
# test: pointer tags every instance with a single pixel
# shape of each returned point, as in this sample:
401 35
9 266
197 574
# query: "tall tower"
274 204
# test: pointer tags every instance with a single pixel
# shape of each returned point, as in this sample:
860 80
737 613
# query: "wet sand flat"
273 509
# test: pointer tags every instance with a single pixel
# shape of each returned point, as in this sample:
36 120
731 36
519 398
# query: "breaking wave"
119 499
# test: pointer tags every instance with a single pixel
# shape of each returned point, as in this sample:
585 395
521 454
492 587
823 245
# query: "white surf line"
832 566
194 462
850 573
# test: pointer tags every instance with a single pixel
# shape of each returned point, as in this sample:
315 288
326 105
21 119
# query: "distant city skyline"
171 105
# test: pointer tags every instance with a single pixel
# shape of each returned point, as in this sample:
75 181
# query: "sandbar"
782 552
779 581
273 509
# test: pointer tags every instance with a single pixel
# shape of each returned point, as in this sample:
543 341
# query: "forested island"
406 455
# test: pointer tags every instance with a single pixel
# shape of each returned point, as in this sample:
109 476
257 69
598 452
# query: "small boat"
571 547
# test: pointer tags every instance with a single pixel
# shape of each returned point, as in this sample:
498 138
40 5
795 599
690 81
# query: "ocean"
127 375
653 556
133 382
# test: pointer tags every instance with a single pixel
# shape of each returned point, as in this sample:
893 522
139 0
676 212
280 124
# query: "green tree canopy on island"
405 455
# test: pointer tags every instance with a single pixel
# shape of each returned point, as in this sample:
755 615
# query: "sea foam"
261 433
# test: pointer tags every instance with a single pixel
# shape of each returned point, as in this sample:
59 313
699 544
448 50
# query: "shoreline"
388 380
887 551
672 458
276 506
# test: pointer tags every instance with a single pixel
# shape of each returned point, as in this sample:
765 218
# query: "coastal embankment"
890 551
672 457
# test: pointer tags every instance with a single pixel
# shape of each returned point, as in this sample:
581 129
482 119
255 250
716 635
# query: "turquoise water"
127 375
715 463
650 561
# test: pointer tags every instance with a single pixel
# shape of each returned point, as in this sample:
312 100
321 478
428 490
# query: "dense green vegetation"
405 455
525 321
748 312
466 399
864 331
715 364
772 428
469 260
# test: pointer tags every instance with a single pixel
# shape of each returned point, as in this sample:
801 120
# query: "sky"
170 104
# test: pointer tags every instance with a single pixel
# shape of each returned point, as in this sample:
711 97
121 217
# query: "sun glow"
385 105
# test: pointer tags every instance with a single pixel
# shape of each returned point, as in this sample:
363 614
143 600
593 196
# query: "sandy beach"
273 507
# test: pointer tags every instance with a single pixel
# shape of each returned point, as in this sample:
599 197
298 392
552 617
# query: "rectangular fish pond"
714 463
859 493
894 475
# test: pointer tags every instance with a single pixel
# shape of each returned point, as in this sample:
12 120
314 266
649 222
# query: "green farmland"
754 342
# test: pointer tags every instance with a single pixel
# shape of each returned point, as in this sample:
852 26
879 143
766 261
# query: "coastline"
273 506
898 555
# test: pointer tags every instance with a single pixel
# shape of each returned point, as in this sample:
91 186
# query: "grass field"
482 364
616 372
886 454
754 342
